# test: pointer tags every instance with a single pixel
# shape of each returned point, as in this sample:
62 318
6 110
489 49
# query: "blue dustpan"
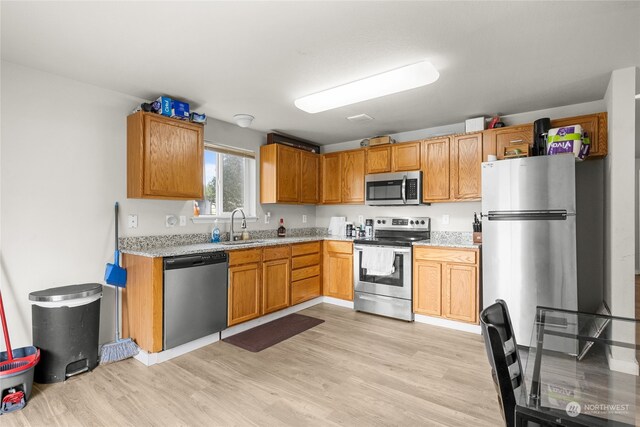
114 274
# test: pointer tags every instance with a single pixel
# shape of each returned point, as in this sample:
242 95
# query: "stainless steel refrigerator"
529 236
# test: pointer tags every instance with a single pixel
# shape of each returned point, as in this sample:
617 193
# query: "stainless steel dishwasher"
195 297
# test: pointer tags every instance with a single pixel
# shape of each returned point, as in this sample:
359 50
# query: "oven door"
397 284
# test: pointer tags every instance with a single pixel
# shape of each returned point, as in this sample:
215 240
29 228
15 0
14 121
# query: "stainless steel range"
383 266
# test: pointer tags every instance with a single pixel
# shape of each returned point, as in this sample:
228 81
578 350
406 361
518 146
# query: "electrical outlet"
170 221
360 219
183 220
304 219
132 221
266 218
445 219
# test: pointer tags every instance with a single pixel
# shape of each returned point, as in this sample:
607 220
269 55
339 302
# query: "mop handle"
6 331
116 261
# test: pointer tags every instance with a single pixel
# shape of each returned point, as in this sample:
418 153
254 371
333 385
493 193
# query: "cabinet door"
309 171
173 159
244 293
379 159
512 136
427 285
406 156
288 171
460 292
596 127
353 176
435 170
331 172
466 159
338 275
275 285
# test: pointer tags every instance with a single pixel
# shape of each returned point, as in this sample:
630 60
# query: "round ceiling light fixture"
243 120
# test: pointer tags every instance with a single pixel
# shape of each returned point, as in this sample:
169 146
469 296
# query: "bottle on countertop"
215 233
368 228
282 232
348 229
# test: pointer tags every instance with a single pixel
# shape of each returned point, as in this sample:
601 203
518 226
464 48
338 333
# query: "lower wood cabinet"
446 283
275 279
306 261
337 281
245 285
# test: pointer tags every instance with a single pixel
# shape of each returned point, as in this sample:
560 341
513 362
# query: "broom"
115 275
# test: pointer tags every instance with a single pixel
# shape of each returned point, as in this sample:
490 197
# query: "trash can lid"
65 293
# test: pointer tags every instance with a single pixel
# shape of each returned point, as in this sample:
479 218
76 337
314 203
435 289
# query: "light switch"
360 219
132 221
445 219
183 220
304 219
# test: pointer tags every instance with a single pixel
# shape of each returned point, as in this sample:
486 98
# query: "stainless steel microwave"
392 189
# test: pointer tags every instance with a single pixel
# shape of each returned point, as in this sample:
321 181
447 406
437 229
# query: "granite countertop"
176 245
197 248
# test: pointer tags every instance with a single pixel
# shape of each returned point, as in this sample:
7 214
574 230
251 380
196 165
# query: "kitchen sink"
242 242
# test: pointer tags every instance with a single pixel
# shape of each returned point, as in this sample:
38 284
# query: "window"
229 181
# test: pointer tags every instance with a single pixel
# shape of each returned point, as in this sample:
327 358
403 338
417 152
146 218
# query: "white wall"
63 164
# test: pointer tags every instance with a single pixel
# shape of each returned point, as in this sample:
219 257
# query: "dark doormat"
264 336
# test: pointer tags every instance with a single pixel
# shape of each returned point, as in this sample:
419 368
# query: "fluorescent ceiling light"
394 81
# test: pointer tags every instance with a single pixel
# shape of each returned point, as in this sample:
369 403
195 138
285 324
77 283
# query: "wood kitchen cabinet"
245 286
309 178
405 157
331 173
306 263
379 159
353 171
337 280
466 160
288 175
275 278
494 141
596 127
435 170
164 158
446 283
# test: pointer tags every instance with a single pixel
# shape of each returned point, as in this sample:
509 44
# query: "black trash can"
66 324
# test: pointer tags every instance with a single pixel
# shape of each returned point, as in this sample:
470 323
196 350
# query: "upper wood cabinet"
353 166
435 170
379 159
288 175
504 137
337 280
331 178
309 178
405 156
596 127
466 160
164 158
393 157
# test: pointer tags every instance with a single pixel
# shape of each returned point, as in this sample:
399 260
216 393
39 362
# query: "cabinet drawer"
305 248
277 252
464 256
305 261
338 246
245 256
306 289
305 273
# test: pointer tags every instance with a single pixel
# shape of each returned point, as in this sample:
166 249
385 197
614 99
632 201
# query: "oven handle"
396 250
404 189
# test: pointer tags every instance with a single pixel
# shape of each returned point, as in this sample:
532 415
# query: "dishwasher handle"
187 261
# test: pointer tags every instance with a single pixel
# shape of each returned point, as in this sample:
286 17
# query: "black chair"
502 351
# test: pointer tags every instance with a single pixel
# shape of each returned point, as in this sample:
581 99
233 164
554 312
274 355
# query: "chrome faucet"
244 223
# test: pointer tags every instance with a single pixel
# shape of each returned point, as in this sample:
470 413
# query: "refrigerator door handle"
553 215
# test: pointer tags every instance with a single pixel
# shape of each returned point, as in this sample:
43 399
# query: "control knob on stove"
411 222
378 221
422 222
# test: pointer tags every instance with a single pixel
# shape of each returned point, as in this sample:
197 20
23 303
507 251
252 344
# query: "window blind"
225 149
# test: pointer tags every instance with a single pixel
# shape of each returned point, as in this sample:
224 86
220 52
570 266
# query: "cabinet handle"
515 140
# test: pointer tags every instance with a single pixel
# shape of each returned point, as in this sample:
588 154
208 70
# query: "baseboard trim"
337 301
150 359
450 324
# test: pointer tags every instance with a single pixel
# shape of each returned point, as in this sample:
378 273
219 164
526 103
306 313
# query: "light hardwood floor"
354 369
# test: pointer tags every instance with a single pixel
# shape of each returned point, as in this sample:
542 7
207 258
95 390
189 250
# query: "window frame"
250 197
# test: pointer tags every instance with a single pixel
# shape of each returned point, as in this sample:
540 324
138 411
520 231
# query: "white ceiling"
257 57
